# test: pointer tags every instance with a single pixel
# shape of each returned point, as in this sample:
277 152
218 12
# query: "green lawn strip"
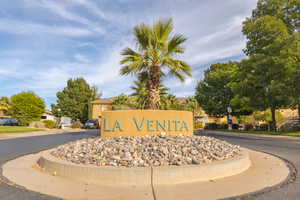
17 129
296 134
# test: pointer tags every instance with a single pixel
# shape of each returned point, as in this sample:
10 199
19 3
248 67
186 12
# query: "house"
3 112
47 115
100 105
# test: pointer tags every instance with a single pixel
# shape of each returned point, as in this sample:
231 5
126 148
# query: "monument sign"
146 122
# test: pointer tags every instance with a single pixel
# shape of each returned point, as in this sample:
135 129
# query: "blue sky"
43 43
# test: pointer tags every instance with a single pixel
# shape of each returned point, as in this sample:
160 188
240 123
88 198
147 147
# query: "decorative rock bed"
144 151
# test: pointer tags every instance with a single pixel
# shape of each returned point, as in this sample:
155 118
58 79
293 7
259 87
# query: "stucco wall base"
270 170
164 175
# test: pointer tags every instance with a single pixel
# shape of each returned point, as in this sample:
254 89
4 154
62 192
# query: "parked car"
91 124
9 122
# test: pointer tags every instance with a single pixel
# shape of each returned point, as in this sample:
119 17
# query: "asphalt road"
285 147
288 148
12 148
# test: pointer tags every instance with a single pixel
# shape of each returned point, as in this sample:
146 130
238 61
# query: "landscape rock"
144 151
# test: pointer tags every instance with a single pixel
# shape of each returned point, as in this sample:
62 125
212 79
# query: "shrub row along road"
288 148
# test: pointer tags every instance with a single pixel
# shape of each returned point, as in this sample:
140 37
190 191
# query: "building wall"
97 110
48 117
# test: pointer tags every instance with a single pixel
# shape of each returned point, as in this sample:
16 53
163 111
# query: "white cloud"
213 28
30 28
81 58
60 10
91 7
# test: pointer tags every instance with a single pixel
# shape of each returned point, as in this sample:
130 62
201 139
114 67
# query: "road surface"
288 148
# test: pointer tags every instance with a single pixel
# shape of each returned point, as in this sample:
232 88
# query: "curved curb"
163 175
289 179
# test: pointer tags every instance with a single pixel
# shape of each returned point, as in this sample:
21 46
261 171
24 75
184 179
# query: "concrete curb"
8 136
164 175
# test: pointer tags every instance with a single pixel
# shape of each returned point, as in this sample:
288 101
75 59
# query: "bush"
76 124
248 127
49 123
210 126
262 127
215 126
26 107
37 124
235 126
198 125
222 126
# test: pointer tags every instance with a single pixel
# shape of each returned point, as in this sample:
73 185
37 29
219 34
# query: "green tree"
74 100
124 102
291 58
26 107
267 31
214 93
156 51
266 35
262 84
4 101
191 104
170 102
286 10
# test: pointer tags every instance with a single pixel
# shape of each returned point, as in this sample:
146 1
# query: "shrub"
248 127
198 125
76 124
210 126
235 126
222 126
26 107
37 124
49 123
262 127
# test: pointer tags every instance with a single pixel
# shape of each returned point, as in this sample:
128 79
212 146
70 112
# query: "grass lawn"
17 129
297 134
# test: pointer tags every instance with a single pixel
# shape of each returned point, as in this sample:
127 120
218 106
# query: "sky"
43 43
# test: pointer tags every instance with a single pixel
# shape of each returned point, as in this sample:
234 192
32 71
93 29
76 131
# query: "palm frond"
174 44
162 30
177 67
129 52
143 36
132 68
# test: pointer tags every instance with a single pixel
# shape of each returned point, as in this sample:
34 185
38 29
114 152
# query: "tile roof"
103 101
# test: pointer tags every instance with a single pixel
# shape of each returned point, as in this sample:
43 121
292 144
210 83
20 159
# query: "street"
288 148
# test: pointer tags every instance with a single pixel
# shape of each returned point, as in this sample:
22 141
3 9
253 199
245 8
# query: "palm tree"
169 102
191 104
156 49
141 92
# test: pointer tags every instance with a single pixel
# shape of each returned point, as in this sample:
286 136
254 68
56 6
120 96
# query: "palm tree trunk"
153 99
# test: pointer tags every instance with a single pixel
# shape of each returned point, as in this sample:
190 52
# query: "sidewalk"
4 136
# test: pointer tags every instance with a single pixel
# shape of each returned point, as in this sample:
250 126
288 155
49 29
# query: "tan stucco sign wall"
146 122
